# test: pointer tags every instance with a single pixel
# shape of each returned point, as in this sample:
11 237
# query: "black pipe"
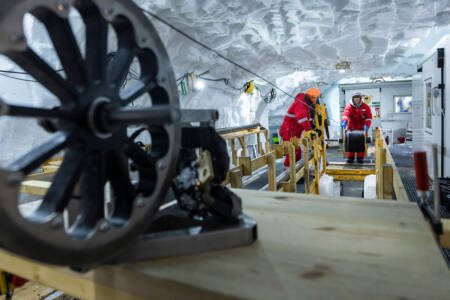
440 60
230 129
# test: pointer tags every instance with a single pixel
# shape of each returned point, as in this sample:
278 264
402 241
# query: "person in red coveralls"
298 119
357 116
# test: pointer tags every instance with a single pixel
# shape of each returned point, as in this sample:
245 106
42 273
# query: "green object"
183 88
275 140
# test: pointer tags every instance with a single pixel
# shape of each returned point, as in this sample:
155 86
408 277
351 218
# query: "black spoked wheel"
95 129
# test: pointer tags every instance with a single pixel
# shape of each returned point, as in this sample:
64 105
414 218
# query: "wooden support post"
279 150
267 143
258 141
233 152
236 179
288 187
316 165
243 146
35 187
306 163
380 161
246 165
445 237
292 169
387 181
271 174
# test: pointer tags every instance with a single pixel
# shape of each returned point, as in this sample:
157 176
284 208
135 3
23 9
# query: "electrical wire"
20 79
223 57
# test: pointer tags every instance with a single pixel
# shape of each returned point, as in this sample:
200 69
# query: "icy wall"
295 43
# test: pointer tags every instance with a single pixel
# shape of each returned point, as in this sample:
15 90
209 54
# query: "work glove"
344 125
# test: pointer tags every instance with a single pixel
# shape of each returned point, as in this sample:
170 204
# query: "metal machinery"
113 188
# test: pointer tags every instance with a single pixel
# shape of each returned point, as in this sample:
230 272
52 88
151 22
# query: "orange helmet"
313 94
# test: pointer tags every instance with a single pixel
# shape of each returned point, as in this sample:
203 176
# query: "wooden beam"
243 146
349 177
258 141
332 171
387 181
236 179
246 165
258 162
380 161
301 172
35 187
234 160
305 153
279 151
292 168
41 175
271 173
445 237
288 187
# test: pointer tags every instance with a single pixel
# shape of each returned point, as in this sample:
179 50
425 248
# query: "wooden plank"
355 249
31 291
445 237
348 177
301 172
234 160
279 150
381 160
35 187
246 165
236 179
306 162
41 175
258 162
271 173
287 187
50 168
240 134
243 146
292 168
387 181
258 141
331 171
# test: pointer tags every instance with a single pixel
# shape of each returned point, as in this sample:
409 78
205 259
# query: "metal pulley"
355 141
93 127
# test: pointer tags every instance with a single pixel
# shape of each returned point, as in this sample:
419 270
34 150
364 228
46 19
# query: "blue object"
344 124
366 128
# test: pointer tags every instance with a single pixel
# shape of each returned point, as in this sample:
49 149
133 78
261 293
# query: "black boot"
350 160
360 160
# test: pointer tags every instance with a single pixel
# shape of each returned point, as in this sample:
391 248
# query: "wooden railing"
387 173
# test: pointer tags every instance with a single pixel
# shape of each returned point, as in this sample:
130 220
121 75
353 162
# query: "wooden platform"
309 248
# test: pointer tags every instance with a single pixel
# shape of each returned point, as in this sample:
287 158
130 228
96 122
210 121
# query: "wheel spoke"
135 90
63 184
117 170
46 75
119 66
66 47
32 112
92 196
37 156
96 43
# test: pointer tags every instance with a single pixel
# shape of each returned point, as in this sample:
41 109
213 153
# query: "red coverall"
297 120
357 117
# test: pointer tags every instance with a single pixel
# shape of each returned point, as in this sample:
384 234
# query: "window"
428 104
402 104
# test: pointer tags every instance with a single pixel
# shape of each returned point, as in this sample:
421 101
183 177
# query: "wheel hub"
94 130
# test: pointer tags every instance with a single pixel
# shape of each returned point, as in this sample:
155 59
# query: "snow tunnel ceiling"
277 38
